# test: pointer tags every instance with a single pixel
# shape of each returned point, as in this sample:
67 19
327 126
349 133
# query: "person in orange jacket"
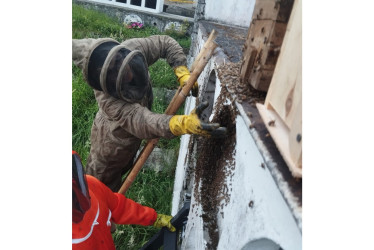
95 206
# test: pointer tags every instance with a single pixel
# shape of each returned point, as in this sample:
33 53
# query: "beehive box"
263 43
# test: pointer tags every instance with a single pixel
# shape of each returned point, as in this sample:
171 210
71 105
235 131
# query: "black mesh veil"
81 200
96 62
119 72
132 82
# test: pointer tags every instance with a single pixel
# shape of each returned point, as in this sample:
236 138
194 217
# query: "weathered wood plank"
261 79
278 10
282 110
285 89
264 38
295 138
280 134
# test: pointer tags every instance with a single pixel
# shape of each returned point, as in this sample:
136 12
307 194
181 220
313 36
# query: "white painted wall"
266 225
180 172
236 12
270 217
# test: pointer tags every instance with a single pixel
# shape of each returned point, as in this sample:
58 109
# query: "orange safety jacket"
93 232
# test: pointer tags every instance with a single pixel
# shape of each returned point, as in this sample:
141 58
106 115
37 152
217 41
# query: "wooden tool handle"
205 49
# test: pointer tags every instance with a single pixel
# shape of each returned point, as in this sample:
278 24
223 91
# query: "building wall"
233 12
257 209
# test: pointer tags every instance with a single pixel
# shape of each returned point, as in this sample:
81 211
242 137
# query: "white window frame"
159 5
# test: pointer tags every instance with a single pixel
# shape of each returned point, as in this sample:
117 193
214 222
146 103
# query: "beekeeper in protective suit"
119 75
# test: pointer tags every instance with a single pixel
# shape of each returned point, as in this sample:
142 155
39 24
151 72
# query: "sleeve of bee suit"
134 118
158 46
143 123
123 210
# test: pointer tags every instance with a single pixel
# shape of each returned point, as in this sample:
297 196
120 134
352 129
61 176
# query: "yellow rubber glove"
164 221
183 75
191 124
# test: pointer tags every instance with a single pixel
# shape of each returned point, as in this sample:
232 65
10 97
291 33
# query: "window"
150 4
136 2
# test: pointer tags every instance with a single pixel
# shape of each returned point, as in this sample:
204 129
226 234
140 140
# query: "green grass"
94 24
162 75
83 112
149 188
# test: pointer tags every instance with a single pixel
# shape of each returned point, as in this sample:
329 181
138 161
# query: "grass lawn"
150 188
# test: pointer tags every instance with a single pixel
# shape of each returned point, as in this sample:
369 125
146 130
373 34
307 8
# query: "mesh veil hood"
117 71
81 200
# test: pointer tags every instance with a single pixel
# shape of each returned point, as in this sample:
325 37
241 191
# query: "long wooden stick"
176 102
204 49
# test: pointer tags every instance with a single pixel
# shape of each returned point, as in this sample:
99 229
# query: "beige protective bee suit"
121 123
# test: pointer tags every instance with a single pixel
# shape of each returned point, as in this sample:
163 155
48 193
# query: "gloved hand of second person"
191 124
183 75
164 221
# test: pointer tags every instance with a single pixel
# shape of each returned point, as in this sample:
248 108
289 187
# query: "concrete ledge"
177 10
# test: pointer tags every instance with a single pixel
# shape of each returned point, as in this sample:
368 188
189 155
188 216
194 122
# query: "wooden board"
285 89
273 10
281 136
261 78
282 110
295 139
263 43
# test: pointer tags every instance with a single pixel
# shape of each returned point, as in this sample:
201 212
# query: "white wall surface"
266 225
269 217
236 12
180 172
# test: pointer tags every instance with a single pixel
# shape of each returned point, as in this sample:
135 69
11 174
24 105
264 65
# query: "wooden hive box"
263 43
282 110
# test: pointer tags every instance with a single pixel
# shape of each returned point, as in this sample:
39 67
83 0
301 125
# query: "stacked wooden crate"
264 40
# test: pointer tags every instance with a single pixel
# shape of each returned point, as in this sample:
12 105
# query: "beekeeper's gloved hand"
183 75
164 221
191 124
